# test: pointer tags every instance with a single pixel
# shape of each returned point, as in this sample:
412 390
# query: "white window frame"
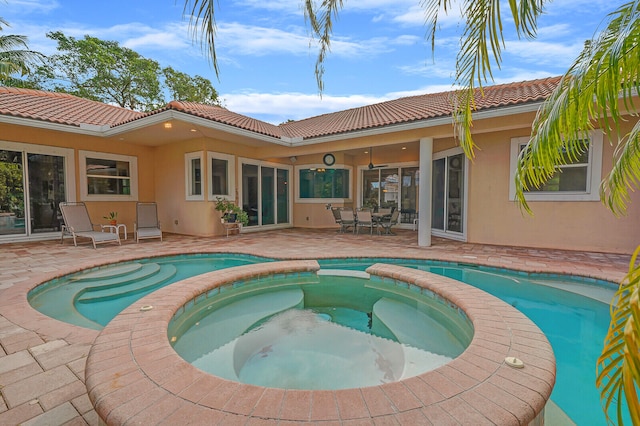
133 178
188 183
322 200
594 174
231 175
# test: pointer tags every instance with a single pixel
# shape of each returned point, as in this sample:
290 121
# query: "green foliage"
106 72
15 56
111 216
183 87
11 188
227 207
618 367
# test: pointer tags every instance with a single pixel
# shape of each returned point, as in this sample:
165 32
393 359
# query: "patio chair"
365 220
336 215
147 224
78 223
347 220
386 224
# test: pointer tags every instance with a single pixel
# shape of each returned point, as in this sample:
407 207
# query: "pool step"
226 323
107 272
131 286
147 270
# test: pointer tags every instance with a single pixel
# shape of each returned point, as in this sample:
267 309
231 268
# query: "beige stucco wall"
579 225
97 209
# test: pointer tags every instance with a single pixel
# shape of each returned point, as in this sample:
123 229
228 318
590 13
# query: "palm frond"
202 25
482 44
604 76
618 367
320 18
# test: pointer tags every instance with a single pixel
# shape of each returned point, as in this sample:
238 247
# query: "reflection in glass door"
46 191
250 192
268 201
265 194
448 194
409 196
12 213
392 187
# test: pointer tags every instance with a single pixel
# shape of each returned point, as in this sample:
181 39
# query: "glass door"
268 198
250 192
448 194
409 194
46 191
12 193
265 194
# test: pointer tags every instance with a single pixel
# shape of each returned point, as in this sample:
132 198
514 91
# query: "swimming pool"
575 324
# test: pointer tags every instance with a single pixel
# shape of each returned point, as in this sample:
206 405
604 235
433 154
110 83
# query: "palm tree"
604 76
15 58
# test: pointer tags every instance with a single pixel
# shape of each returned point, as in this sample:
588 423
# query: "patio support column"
424 200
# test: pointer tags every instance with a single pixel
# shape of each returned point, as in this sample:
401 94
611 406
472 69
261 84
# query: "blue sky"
266 57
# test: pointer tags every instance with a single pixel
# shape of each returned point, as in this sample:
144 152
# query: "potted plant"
112 217
231 212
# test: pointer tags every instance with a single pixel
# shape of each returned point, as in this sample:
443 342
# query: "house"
402 153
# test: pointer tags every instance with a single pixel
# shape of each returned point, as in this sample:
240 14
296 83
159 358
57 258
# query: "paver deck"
42 361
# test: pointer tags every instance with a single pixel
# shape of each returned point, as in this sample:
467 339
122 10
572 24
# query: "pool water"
575 321
324 332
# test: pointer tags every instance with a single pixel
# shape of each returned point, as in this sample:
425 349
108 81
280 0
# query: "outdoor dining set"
381 220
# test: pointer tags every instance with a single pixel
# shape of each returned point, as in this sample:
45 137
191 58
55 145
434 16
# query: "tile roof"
71 110
417 108
224 116
61 108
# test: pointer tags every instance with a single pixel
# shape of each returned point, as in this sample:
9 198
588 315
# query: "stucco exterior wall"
577 225
97 209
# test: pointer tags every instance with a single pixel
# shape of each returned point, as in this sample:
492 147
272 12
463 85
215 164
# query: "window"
108 177
324 183
576 181
193 176
222 174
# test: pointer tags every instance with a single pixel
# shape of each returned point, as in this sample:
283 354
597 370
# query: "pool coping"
133 375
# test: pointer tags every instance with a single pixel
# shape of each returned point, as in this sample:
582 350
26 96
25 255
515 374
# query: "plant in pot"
231 212
112 217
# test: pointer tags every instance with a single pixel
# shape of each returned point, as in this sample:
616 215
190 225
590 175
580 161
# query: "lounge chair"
347 220
147 224
365 221
78 223
386 224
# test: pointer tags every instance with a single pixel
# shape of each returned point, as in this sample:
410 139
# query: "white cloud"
26 7
544 53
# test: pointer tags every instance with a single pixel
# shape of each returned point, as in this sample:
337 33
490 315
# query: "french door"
266 193
448 194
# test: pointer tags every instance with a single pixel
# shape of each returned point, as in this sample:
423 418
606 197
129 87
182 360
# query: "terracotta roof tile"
61 108
223 115
416 108
71 110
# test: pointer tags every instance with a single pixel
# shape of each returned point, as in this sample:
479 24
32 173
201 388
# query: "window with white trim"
193 176
108 177
222 175
323 183
578 180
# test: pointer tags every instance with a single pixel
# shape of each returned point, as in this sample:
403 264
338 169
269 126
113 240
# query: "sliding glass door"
33 182
448 194
265 193
392 187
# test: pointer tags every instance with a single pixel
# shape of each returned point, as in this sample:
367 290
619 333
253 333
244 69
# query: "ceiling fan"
371 165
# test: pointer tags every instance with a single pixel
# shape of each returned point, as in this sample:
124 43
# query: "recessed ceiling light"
193 130
167 125
404 147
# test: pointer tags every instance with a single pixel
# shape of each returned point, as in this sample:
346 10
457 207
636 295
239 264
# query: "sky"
267 57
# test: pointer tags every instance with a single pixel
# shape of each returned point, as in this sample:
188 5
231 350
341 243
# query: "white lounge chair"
147 224
78 223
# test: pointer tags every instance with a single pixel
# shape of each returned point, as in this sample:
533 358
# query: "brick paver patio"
42 361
